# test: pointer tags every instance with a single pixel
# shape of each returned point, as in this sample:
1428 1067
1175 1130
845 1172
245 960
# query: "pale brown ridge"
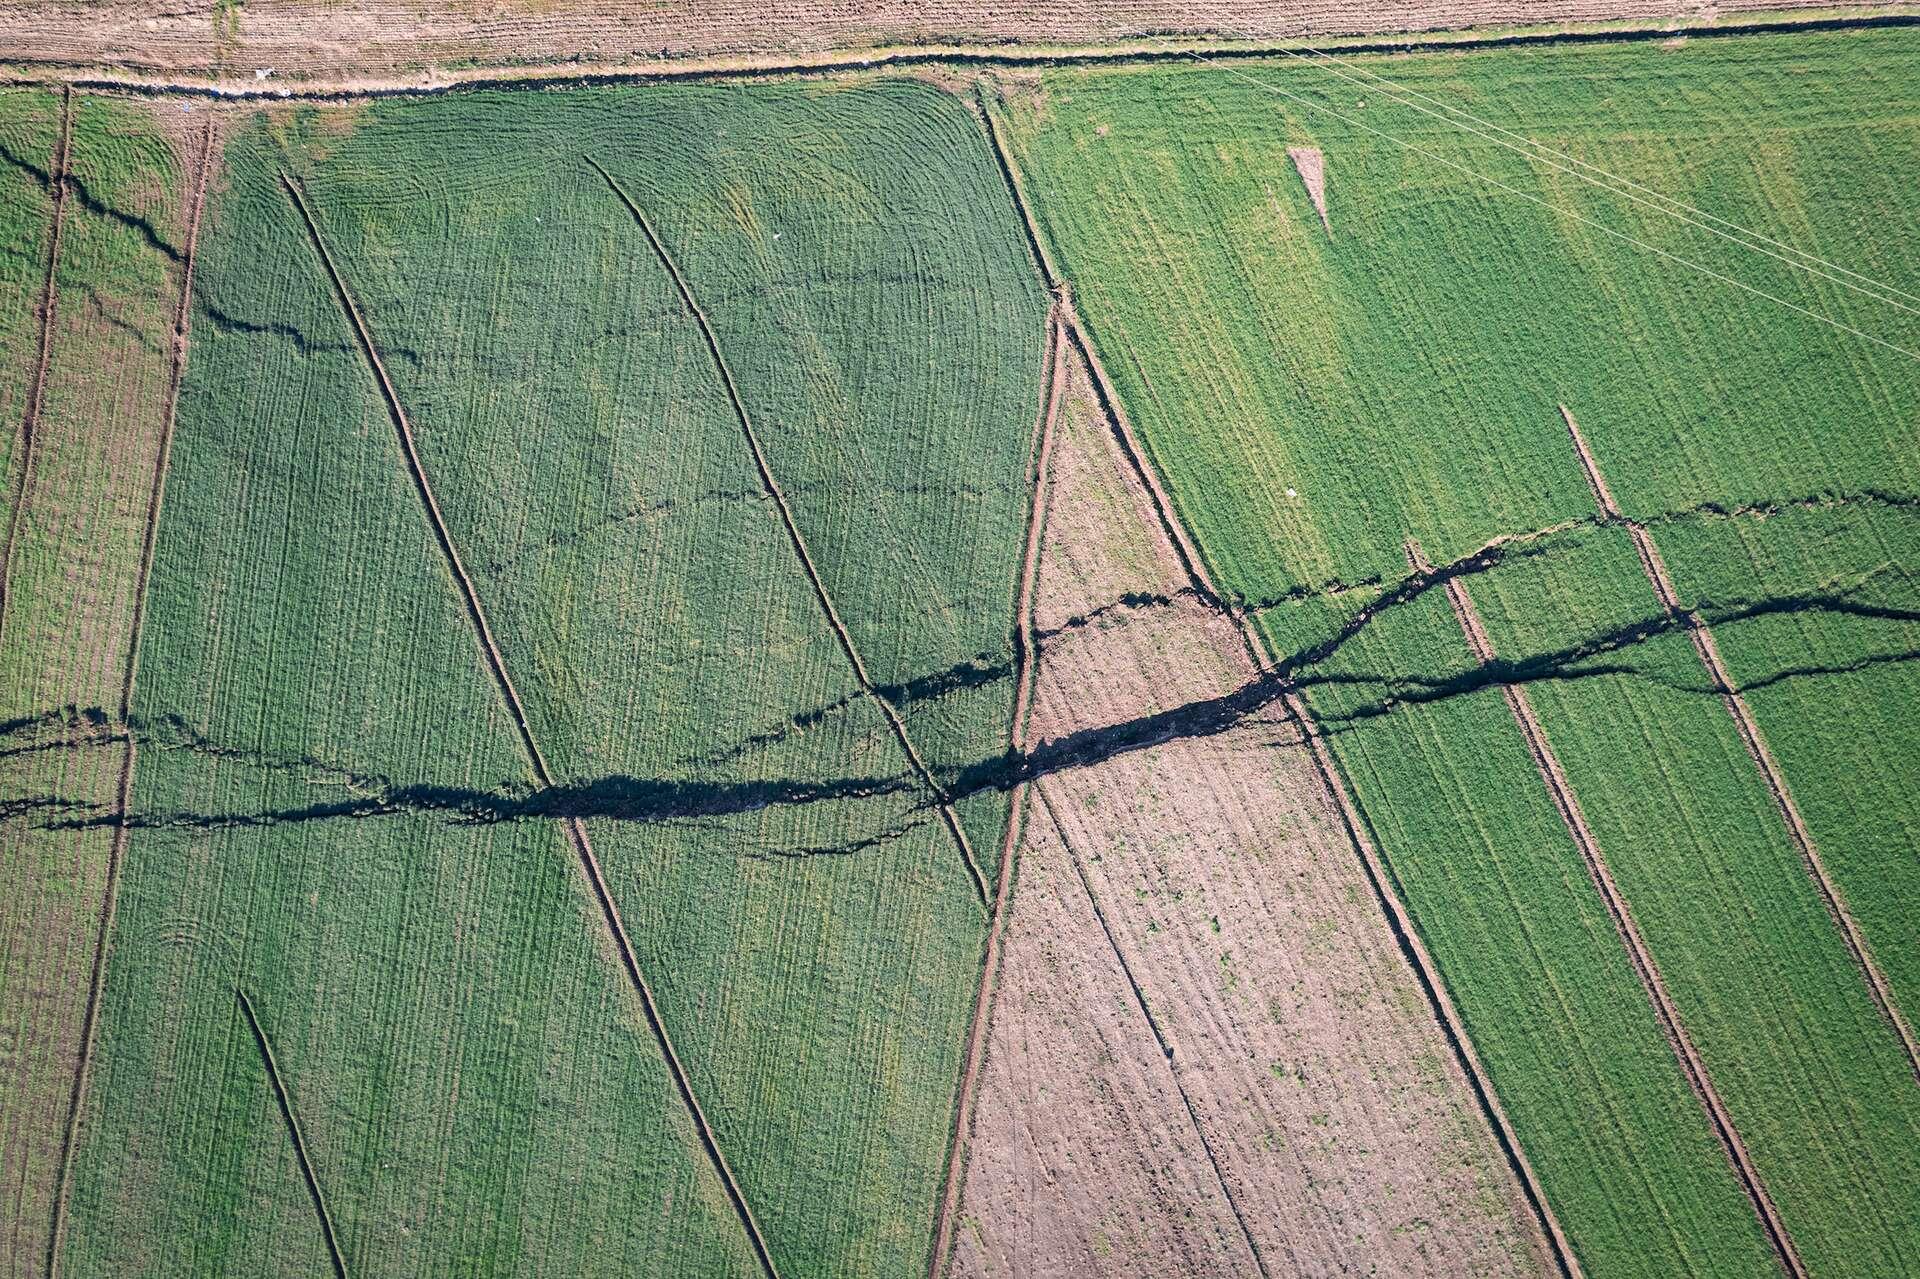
1567 804
940 798
576 828
1055 380
124 801
1379 877
1749 729
49 305
293 1127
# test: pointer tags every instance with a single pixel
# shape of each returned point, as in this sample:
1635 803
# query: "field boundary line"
576 828
1153 1024
1124 51
1560 789
940 797
281 1095
1750 736
117 852
1054 380
22 480
1387 890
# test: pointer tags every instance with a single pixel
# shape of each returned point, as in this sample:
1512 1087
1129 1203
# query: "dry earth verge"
308 38
1305 1114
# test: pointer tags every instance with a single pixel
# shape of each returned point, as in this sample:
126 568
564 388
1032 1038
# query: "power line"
1547 204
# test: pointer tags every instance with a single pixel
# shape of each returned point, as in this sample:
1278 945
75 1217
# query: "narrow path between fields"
117 851
1560 790
1709 652
576 828
940 797
1054 383
1386 892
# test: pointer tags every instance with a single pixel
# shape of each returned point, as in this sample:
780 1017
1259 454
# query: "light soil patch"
1305 1114
1312 167
312 38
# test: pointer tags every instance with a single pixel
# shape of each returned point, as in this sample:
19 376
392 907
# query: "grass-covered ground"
473 1075
1315 398
75 540
335 812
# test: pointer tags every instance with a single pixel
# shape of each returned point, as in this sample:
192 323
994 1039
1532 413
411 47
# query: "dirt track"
1052 396
123 801
1208 1056
395 45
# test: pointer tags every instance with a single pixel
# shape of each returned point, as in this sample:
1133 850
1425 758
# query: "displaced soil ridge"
1122 52
37 389
117 851
1709 652
1054 382
576 829
281 1095
941 799
1386 890
1567 804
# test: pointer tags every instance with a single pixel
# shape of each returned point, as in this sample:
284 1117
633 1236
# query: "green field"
361 1008
327 737
75 543
1314 399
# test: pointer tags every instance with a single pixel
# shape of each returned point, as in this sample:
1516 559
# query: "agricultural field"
1317 393
1109 661
1292 1102
73 551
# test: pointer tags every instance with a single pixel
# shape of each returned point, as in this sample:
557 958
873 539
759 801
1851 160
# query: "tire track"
1386 889
1560 790
576 828
117 851
293 1128
1709 653
36 393
941 800
1055 381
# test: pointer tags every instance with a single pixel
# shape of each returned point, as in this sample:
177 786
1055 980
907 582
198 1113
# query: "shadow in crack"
636 799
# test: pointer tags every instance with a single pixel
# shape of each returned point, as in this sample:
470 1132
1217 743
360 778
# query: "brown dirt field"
1312 167
69 636
317 38
1202 893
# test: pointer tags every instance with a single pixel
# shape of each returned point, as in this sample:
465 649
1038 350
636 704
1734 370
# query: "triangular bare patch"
1313 171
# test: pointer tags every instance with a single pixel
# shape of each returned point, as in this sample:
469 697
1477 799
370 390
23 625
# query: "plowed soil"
1204 884
384 37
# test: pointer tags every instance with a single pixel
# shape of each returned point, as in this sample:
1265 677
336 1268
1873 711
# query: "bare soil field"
1207 1055
312 38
